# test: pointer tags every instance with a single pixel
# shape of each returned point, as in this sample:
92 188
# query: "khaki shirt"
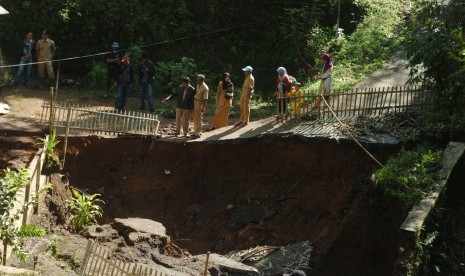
201 92
45 49
249 82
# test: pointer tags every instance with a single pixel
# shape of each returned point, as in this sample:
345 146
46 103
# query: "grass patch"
410 174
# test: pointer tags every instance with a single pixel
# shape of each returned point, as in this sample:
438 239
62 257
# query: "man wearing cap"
185 96
146 70
45 49
113 63
200 100
246 94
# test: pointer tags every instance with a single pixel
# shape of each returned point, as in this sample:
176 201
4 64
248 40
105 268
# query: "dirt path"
393 73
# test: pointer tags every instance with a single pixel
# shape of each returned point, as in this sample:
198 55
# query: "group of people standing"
44 49
288 87
120 75
192 101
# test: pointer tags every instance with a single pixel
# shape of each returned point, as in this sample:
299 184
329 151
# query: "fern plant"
85 209
51 160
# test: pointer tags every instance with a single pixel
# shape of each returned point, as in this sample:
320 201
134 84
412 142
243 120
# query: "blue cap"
115 45
247 69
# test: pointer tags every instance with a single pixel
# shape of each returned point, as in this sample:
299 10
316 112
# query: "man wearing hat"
146 70
200 100
246 94
45 49
185 95
113 62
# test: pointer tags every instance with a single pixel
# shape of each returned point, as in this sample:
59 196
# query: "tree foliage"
436 51
217 34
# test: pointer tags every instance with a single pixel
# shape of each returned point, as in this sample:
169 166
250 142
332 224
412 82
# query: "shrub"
409 174
97 78
85 209
168 74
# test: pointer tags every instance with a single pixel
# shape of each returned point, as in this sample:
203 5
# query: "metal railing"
99 120
349 103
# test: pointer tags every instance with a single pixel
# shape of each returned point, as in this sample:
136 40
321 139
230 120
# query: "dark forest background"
218 35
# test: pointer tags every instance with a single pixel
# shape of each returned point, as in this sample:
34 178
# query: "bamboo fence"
99 120
355 102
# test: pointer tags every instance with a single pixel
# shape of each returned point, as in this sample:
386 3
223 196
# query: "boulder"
101 233
136 230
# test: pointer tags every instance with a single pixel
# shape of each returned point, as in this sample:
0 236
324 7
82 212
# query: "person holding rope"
326 79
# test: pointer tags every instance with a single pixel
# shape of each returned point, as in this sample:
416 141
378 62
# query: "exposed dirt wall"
268 191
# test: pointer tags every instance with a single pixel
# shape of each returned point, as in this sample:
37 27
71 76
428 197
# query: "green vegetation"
378 35
51 158
409 174
218 37
168 74
11 234
53 246
85 209
97 78
437 60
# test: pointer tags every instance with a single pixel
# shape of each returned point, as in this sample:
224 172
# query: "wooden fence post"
51 111
68 118
205 272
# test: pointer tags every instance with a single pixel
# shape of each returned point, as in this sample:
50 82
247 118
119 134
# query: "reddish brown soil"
293 189
16 152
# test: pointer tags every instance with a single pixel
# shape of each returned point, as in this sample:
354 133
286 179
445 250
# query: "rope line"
147 45
350 134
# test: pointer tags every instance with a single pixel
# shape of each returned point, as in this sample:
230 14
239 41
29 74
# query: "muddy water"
268 191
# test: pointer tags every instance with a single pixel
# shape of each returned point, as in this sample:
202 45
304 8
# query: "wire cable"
148 45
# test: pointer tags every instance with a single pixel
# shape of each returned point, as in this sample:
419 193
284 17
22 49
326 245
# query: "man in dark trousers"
125 77
27 54
146 70
185 95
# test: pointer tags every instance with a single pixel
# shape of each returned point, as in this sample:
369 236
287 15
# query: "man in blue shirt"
27 54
